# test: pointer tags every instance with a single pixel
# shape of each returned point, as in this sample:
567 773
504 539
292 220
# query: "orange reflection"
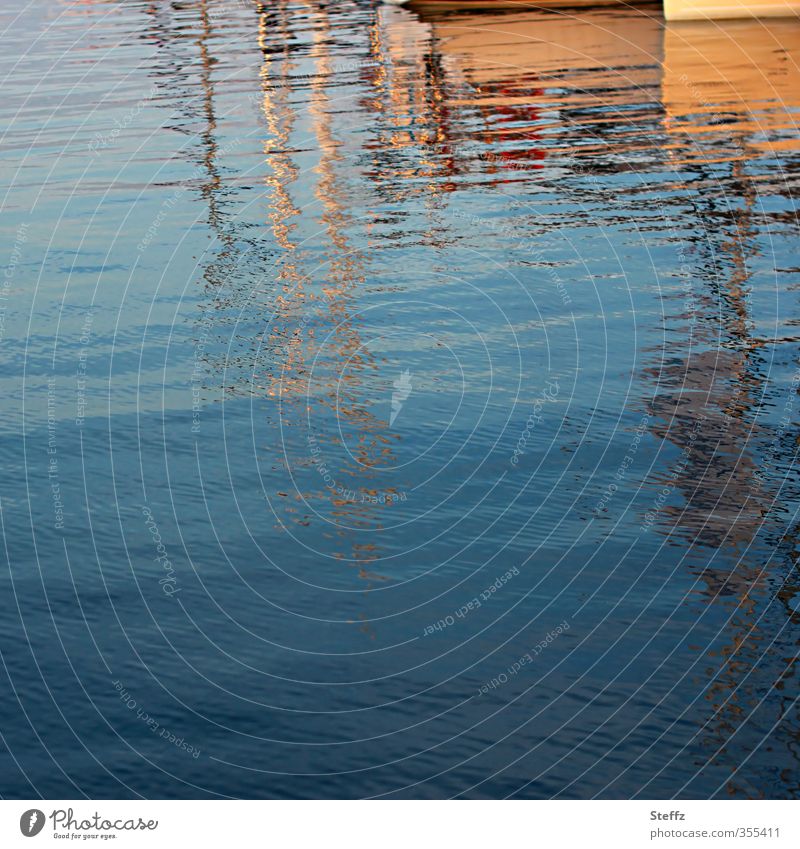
522 70
731 88
316 331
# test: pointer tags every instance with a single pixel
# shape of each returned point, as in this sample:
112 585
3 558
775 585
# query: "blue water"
397 405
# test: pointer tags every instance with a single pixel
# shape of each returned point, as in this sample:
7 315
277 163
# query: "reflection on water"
413 337
740 79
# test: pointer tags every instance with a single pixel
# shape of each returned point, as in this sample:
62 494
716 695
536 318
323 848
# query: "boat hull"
694 10
674 10
491 5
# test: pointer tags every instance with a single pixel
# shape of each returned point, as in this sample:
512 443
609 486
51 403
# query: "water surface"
398 406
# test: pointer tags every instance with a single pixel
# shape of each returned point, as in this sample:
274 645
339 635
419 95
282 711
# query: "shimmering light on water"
398 404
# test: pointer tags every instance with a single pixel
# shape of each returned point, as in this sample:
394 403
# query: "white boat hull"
694 10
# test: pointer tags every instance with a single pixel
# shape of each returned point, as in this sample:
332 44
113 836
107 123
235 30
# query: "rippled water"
398 405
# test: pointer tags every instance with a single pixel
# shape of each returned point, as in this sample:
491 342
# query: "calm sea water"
397 405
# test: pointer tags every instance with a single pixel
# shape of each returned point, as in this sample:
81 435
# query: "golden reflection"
323 357
408 100
731 88
274 41
290 296
524 74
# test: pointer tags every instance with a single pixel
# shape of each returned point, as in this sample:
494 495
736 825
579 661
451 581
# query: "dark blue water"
398 406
